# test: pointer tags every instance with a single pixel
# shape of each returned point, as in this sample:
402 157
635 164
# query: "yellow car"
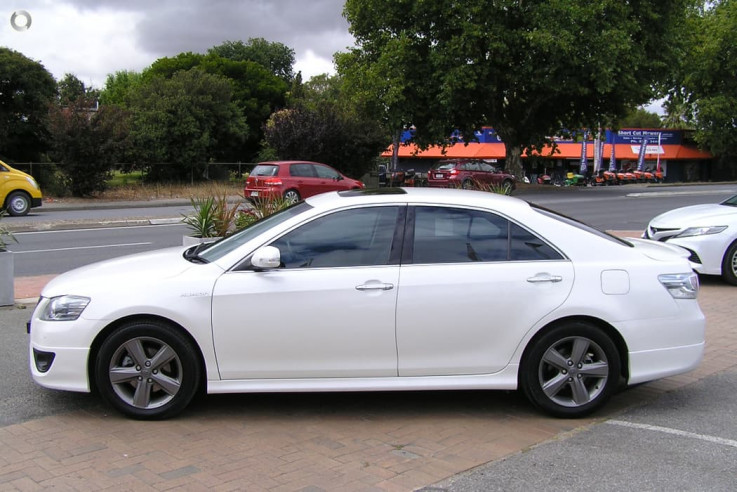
19 192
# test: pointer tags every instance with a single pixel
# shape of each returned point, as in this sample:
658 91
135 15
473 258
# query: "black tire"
292 196
169 383
729 264
571 370
507 187
467 185
18 203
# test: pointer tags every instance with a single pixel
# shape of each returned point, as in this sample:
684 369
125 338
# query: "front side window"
450 235
356 237
326 172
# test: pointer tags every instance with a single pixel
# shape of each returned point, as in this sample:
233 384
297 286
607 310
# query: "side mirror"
266 258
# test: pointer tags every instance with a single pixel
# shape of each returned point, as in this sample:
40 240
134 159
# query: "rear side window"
265 170
449 235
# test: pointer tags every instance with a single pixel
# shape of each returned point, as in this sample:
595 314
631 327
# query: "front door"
329 312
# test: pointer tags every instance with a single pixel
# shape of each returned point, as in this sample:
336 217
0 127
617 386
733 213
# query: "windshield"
730 202
219 249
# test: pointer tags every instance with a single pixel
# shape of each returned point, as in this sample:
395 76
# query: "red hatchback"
469 174
295 180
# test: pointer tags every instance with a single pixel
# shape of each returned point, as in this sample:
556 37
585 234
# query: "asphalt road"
686 440
59 238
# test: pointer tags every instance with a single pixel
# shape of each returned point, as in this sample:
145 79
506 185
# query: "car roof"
283 163
437 196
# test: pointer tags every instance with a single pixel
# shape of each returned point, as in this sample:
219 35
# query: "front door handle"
544 277
375 286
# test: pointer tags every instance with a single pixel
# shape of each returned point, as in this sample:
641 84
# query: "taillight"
453 172
272 182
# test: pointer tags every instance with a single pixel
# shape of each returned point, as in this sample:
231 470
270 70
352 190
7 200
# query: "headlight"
33 183
701 231
681 285
64 308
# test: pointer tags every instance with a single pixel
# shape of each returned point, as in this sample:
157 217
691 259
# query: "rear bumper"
36 202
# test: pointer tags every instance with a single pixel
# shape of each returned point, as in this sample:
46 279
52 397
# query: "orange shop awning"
625 151
473 150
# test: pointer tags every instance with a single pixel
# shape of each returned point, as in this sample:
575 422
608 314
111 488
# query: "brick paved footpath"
366 441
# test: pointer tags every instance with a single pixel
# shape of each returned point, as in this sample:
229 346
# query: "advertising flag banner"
613 160
584 161
641 155
599 158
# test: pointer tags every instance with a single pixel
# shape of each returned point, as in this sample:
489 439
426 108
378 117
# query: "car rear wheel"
292 196
570 371
467 184
147 370
507 187
18 203
729 264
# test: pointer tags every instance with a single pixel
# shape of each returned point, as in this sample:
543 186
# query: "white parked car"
397 289
708 232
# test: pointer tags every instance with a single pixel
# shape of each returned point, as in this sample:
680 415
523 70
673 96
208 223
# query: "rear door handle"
544 277
375 286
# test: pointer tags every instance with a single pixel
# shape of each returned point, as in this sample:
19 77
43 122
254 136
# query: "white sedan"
708 232
397 289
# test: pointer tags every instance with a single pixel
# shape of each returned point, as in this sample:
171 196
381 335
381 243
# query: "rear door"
472 284
302 177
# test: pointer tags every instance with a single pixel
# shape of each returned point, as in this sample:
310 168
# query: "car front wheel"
729 264
570 371
147 370
18 203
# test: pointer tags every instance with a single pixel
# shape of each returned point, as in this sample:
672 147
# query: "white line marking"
93 229
80 247
667 430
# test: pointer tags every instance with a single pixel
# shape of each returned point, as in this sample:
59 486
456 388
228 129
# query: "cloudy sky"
93 38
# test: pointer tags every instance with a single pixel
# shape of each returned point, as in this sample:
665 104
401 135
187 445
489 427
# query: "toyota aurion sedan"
708 232
376 290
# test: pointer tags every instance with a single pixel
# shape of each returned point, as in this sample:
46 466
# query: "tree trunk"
514 161
396 138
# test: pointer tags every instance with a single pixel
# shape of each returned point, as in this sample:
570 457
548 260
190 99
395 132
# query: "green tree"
86 142
119 86
709 85
640 118
276 57
525 67
184 121
26 90
322 125
254 90
70 89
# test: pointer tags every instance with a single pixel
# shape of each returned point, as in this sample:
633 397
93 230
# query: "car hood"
138 269
695 215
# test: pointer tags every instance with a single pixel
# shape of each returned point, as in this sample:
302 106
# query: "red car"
469 174
295 180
